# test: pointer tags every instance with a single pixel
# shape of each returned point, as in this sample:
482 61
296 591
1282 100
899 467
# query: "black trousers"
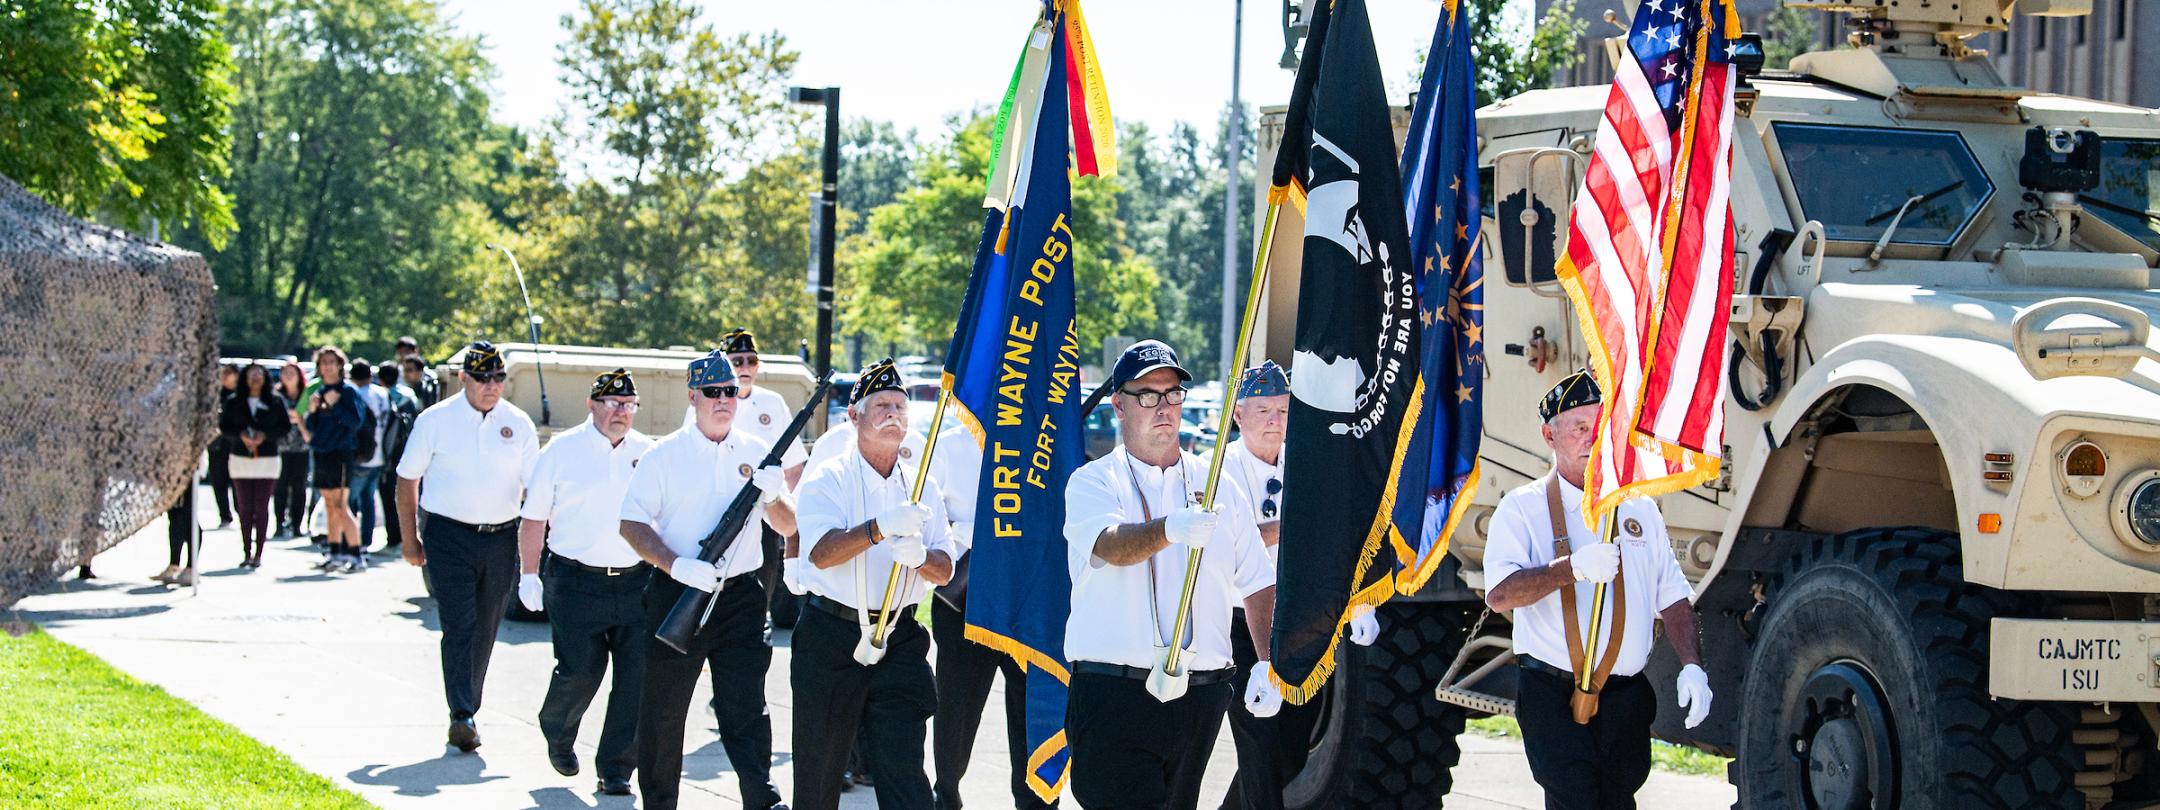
472 576
733 644
1131 751
290 499
1270 750
965 671
595 619
387 487
180 528
835 696
1584 767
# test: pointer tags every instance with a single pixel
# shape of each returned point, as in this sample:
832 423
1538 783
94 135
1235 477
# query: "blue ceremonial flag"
1014 371
1441 197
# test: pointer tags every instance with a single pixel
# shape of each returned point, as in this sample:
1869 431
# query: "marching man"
473 451
589 579
676 498
858 523
1132 517
1546 563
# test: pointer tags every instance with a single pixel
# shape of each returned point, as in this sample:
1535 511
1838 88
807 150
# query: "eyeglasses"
618 405
718 391
1150 399
490 378
1267 506
746 360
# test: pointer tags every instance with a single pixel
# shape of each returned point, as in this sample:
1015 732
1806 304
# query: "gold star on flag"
1462 392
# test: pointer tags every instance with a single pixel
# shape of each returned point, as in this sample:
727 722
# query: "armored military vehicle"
566 374
1929 576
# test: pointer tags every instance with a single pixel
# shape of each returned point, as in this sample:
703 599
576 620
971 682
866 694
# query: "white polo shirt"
472 466
578 487
1253 475
840 438
763 414
957 470
844 492
686 482
1521 537
1112 621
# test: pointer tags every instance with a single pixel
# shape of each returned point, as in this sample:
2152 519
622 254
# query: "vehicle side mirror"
2069 337
1532 192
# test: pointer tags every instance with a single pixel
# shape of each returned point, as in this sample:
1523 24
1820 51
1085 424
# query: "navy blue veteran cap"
712 369
482 358
615 383
738 339
1264 380
1577 390
1143 357
879 376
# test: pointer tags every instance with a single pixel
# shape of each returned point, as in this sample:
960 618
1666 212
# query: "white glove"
903 520
1192 527
771 483
529 591
1694 694
791 574
1364 628
1261 696
1597 562
695 573
910 552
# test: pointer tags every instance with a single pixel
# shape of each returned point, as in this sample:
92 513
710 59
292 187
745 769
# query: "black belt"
840 611
477 528
1201 678
1532 664
601 570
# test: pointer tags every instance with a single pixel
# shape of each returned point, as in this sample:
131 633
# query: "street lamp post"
828 211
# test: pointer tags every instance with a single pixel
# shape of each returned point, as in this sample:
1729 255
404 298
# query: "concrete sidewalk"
340 672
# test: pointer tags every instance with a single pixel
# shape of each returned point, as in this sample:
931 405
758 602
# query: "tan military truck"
567 373
1930 575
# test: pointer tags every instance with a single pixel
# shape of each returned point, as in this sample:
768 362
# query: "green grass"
76 733
1664 756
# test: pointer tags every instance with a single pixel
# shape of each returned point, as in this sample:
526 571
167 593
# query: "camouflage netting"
107 343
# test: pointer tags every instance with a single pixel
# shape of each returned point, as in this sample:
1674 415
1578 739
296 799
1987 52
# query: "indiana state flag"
1441 197
1013 371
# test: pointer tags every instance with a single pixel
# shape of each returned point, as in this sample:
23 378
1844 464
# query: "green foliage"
1510 60
75 733
1788 32
118 109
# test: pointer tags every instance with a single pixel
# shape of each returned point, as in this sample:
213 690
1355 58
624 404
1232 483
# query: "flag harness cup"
870 646
1583 702
1165 685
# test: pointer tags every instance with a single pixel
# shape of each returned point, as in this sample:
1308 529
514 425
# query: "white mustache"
891 421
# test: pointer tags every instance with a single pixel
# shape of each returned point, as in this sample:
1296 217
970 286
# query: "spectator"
291 492
367 469
416 372
179 536
336 413
221 485
404 408
251 423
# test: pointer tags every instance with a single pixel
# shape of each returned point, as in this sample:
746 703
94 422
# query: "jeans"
360 486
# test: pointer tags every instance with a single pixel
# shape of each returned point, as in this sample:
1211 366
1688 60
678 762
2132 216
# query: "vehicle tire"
1383 741
1867 687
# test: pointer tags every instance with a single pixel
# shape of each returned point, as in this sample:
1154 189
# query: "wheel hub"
1844 740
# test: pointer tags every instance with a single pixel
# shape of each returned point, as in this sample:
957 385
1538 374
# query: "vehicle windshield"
2129 192
1855 180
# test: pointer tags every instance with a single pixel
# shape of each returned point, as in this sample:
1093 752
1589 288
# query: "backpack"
364 444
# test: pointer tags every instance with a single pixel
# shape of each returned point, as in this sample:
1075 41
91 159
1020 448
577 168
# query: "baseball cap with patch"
1143 357
481 357
1577 390
738 339
712 369
617 383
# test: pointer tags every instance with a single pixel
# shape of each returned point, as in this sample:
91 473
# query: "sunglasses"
618 405
740 362
1150 399
1268 508
718 391
489 378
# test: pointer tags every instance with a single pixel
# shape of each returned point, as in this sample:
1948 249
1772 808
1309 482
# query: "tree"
877 161
1788 32
118 109
1510 60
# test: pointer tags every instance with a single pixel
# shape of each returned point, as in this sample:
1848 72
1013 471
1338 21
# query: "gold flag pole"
1597 611
1168 681
922 472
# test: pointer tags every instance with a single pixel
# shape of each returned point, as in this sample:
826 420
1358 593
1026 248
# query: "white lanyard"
1154 597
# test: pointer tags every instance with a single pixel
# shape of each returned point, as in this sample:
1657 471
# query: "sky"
913 62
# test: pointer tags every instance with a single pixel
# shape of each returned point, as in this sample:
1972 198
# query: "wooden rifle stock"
694 606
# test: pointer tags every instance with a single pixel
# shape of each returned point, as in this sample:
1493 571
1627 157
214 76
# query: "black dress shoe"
564 759
615 786
464 734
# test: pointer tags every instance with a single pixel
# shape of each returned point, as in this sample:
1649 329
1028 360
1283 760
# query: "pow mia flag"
1355 371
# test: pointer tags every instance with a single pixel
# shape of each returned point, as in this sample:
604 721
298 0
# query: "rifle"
694 606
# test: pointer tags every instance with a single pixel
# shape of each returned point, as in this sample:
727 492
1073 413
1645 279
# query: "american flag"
1649 255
